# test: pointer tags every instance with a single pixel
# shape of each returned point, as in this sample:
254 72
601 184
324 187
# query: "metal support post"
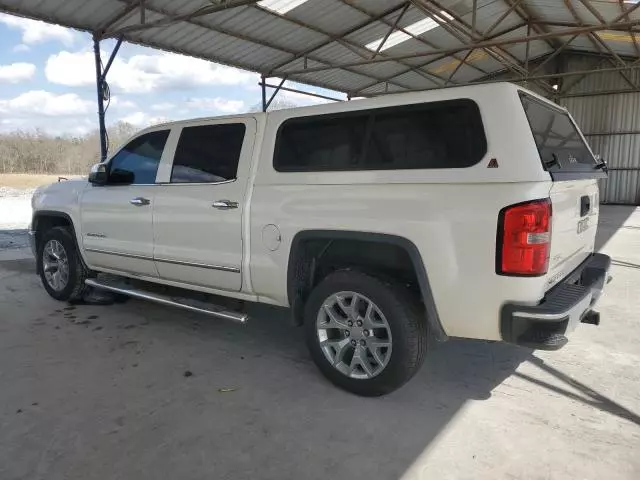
263 84
275 92
99 88
101 76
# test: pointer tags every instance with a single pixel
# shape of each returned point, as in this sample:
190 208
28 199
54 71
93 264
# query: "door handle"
139 201
224 204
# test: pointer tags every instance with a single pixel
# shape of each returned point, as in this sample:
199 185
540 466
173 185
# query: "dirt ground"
139 391
27 181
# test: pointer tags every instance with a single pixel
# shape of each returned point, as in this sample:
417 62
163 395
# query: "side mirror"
98 174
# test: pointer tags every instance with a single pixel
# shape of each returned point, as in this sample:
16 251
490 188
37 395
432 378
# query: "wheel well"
44 222
313 258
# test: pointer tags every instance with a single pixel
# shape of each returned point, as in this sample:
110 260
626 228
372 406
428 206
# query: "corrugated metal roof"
324 42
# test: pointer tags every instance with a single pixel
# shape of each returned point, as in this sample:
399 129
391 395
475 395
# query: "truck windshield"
559 142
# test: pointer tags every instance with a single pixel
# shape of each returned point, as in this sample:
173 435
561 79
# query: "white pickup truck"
465 212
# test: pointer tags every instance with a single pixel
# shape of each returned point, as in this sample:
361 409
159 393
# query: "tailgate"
574 222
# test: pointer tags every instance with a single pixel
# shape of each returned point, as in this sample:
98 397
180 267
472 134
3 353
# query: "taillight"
524 239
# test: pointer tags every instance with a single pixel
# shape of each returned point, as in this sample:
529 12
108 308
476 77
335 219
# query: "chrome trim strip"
199 265
224 314
127 255
183 184
166 260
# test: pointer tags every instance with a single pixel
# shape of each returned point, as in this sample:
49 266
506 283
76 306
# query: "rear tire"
384 320
61 269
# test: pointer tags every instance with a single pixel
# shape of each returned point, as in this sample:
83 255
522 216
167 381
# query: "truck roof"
368 103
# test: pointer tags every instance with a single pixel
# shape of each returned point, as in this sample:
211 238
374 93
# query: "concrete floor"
93 392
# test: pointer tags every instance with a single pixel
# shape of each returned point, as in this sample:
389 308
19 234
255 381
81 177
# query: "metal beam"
111 59
596 41
460 30
534 77
458 67
354 47
273 95
437 59
333 38
391 29
310 94
626 13
459 25
102 29
358 7
482 44
501 18
219 29
263 85
633 35
200 12
557 52
475 36
527 16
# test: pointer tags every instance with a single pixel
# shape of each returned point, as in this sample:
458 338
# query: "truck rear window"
559 142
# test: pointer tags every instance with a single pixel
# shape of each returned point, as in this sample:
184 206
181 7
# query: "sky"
47 82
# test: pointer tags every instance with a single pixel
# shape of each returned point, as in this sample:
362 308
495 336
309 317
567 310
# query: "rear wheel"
366 335
61 269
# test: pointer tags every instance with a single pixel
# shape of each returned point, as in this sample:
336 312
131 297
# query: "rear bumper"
545 325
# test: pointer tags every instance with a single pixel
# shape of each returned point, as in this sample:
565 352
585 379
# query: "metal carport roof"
365 47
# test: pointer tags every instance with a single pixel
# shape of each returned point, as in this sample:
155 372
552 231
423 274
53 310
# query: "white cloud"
34 32
162 106
21 47
17 72
217 105
141 119
144 73
37 103
122 104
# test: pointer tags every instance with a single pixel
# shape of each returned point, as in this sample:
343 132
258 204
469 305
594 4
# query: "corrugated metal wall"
611 124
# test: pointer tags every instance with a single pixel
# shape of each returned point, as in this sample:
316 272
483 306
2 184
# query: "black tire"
78 273
406 320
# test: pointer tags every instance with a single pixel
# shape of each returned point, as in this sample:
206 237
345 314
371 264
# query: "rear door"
574 193
198 209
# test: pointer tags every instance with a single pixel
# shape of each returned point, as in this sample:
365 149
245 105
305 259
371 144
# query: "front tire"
366 335
61 269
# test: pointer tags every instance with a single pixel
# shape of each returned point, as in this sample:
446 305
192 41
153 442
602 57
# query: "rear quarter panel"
449 214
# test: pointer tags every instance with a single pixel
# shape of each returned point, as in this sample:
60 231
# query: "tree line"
41 153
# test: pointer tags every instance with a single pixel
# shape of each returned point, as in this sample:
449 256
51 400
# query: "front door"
197 213
117 218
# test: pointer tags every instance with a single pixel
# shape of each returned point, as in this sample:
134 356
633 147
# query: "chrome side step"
119 286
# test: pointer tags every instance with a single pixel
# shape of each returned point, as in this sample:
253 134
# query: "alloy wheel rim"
55 265
354 335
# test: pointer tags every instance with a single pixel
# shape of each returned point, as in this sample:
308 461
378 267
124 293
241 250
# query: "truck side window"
446 134
137 163
208 153
322 144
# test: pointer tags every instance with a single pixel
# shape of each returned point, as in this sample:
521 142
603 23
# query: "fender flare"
407 245
54 213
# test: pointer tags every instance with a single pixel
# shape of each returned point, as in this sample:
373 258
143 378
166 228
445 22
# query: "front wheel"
366 335
61 269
